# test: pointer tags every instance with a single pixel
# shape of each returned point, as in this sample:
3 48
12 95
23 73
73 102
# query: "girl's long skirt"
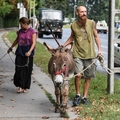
23 70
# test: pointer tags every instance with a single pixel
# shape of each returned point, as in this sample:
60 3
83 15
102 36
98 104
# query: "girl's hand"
28 53
9 50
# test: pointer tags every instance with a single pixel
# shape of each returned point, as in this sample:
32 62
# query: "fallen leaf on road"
45 117
77 109
12 79
1 95
65 119
5 112
12 100
1 82
10 106
51 109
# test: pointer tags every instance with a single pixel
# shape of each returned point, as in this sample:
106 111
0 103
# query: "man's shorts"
81 64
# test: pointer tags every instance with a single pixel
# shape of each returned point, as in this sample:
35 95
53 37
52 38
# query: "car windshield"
54 15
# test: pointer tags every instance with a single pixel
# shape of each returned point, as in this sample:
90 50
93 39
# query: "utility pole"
74 8
111 42
22 10
32 12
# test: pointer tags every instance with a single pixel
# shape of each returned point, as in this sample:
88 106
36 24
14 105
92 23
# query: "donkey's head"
60 64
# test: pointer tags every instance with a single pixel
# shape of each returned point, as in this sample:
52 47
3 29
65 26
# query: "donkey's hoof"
62 114
57 110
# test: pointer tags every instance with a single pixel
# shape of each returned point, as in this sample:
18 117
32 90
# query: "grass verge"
102 106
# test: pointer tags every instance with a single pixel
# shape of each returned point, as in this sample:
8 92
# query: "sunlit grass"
66 26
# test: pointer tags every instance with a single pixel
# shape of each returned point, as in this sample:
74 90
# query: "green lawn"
102 106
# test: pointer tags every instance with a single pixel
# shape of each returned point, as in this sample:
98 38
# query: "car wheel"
40 35
59 36
55 35
105 32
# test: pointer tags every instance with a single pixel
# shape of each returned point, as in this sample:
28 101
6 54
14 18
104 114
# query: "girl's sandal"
19 90
25 91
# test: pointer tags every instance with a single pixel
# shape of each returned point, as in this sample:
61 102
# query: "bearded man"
84 35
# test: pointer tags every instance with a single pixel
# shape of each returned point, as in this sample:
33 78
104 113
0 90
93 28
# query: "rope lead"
101 60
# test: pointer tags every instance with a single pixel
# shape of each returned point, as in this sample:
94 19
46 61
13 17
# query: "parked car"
102 27
117 53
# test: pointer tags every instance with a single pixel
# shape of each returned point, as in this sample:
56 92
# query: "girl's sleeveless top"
25 41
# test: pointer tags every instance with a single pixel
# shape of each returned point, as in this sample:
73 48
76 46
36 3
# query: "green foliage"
11 22
117 4
5 8
98 9
1 22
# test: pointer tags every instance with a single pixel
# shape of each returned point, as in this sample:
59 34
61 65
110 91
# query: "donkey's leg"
65 91
57 94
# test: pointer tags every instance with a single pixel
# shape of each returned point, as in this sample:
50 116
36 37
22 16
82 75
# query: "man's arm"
70 39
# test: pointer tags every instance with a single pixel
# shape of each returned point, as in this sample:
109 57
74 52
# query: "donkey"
61 69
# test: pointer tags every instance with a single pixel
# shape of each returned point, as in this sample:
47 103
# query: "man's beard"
83 20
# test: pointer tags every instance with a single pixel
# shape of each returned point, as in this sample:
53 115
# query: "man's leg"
77 98
78 68
86 87
89 73
77 84
85 91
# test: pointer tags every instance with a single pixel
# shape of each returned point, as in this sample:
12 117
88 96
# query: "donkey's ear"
49 48
69 46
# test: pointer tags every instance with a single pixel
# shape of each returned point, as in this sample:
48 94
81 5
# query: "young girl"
26 40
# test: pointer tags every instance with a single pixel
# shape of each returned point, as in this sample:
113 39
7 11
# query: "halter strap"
61 72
